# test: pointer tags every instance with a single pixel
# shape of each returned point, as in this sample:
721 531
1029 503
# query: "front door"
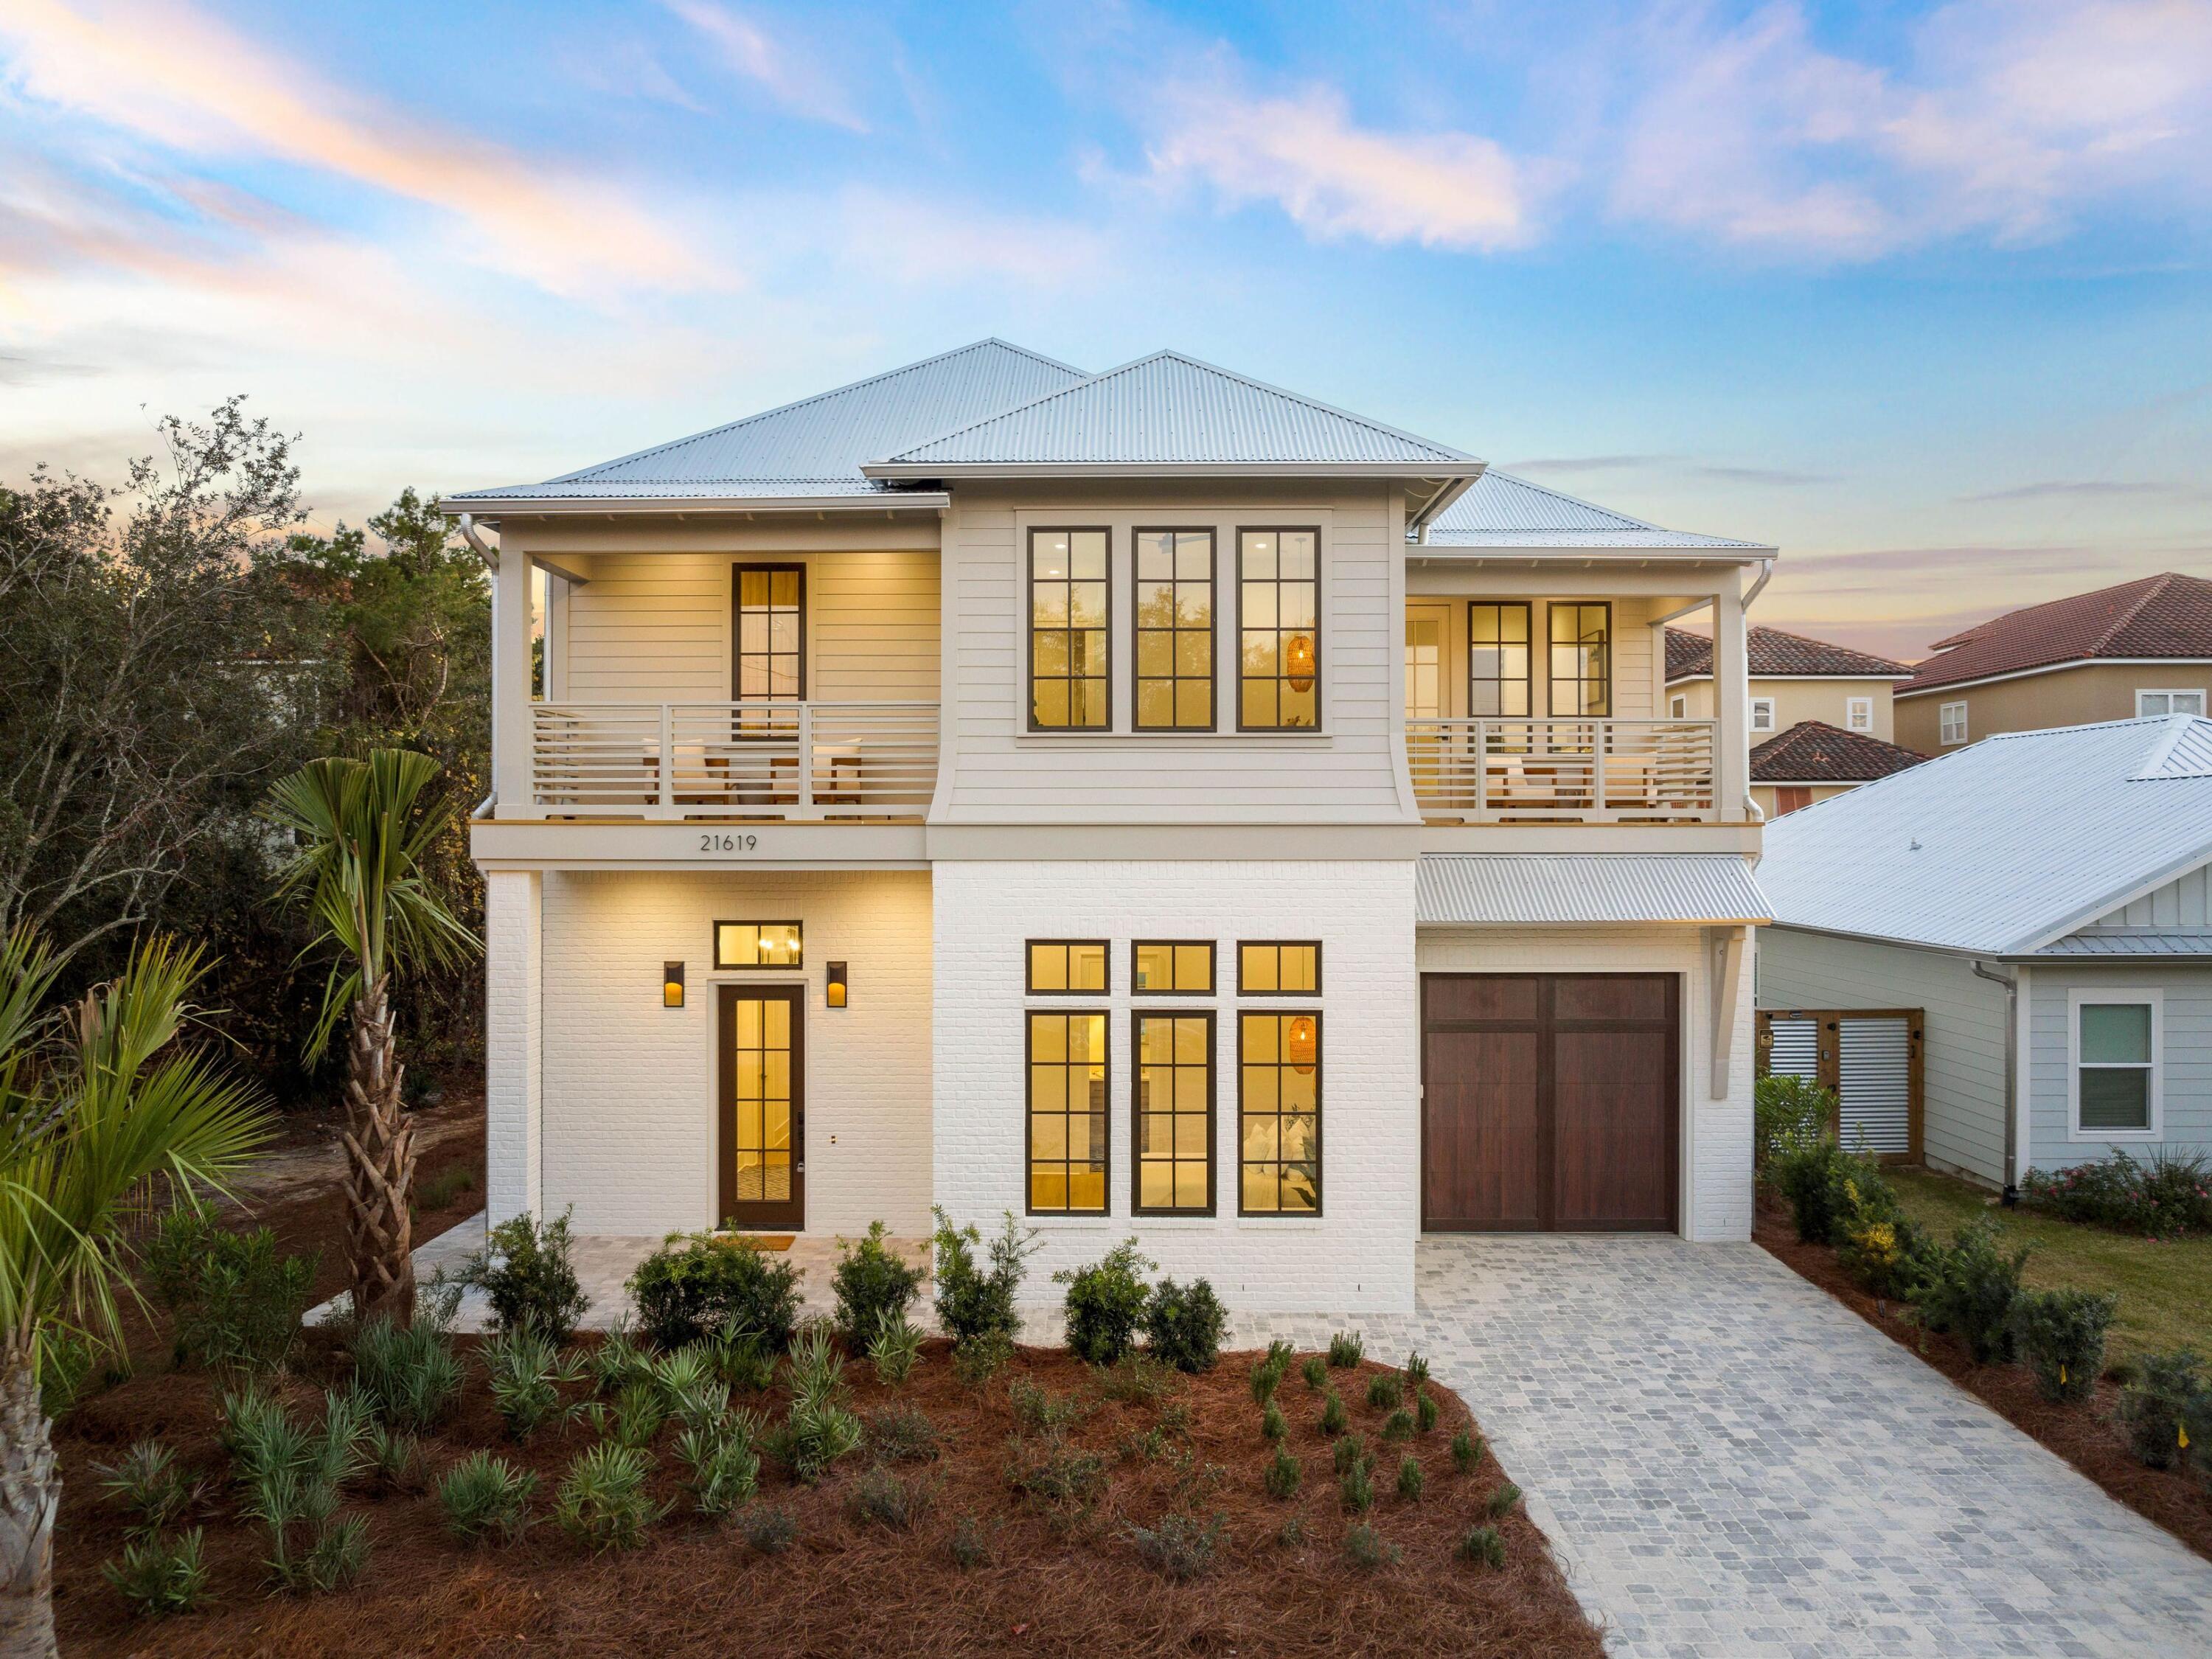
763 1118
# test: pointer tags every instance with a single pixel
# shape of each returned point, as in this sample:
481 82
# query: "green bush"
1283 1474
883 1497
902 1435
157 1577
1811 1176
1973 1289
291 1478
873 1283
1315 1370
486 1498
895 1350
410 1375
1183 1327
1500 1502
2062 1337
526 1273
1466 1451
819 1429
1386 1390
1333 1417
1876 1243
769 1527
698 1285
1410 1478
1787 1114
1482 1546
969 1548
2169 1389
1351 1453
65 1360
526 1377
1398 1427
603 1502
1356 1488
1273 1426
1366 1549
1267 1373
395 1460
1425 1412
2165 1195
150 1487
1182 1547
725 1469
973 1302
234 1298
1106 1303
1345 1349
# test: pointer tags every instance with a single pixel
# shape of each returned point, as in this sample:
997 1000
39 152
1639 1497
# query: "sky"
1920 293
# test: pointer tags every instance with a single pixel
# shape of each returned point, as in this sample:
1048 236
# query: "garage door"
1549 1101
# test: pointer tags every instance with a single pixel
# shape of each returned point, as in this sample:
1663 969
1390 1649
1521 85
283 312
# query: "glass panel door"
763 1101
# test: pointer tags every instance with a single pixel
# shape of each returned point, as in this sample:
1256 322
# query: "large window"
1278 1114
1497 660
1951 722
1061 967
1069 682
1174 626
2115 1038
1161 967
1279 620
757 944
1067 1112
771 633
1425 663
2149 704
1173 1111
1278 966
1582 659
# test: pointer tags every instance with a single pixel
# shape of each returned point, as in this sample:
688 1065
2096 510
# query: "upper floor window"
1582 659
1858 714
1951 723
771 633
2150 703
1497 660
1278 615
1174 631
1069 681
1762 714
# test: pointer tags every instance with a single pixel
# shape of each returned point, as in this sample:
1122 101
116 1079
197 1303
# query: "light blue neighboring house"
2045 899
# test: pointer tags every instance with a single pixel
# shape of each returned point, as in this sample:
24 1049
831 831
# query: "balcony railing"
791 761
1563 771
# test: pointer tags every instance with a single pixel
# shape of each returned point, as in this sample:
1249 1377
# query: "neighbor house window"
1789 797
1174 631
1069 683
1067 1112
1582 659
1762 714
2151 703
771 633
1497 660
1951 723
1173 1113
1279 623
1858 714
1678 706
1159 967
2115 1041
1061 967
1278 1114
756 944
1272 967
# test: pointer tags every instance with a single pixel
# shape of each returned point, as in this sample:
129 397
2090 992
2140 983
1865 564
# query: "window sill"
1318 739
1070 1224
1303 1223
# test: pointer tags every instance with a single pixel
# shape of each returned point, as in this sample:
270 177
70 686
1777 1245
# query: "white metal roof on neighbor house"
2003 847
1499 510
1485 888
813 447
1167 410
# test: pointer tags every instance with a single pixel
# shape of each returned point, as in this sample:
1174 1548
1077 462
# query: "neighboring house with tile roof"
1814 760
2142 648
1793 680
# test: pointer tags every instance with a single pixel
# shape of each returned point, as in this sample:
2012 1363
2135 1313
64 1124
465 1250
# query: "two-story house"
1150 802
1822 716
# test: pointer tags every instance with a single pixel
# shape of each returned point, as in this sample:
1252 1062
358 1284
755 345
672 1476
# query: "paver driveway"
1731 1463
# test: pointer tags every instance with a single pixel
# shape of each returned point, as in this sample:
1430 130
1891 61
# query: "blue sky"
1919 292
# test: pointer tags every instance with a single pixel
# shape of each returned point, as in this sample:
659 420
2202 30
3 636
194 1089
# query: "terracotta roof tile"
1772 652
1813 751
2168 615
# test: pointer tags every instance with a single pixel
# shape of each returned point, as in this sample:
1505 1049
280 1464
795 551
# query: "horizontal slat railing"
1563 771
798 762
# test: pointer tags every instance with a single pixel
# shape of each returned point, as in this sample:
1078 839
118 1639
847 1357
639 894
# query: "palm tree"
359 872
94 1111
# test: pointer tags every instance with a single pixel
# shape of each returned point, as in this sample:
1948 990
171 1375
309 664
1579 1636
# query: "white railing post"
806 809
667 765
1597 766
1481 767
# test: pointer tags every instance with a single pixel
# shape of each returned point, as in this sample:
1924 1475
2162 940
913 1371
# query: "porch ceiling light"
833 989
672 985
1298 659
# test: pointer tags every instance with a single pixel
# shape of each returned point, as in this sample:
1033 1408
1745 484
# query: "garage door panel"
1484 1131
1611 997
1613 1130
1452 997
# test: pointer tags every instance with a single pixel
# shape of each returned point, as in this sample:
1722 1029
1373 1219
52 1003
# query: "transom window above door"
1173 630
1070 676
771 633
757 944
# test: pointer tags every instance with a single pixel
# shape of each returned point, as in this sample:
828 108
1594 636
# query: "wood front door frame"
779 1215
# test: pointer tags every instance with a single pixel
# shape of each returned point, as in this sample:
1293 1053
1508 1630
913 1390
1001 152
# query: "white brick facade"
1358 1254
514 1041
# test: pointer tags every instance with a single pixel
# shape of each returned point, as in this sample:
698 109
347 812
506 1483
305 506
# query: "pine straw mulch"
1052 1584
2087 1435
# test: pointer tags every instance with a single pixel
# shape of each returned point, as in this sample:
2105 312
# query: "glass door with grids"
764 1106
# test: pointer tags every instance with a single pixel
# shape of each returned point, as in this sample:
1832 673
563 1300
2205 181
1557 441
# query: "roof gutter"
468 528
491 509
1446 492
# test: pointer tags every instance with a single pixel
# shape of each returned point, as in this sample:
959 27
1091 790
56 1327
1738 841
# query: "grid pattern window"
1278 1114
1174 631
1582 659
1425 667
1174 1111
1497 660
1951 723
2115 1066
1858 714
1161 967
2152 704
1067 1112
758 945
771 633
1269 967
1279 617
1070 686
1762 714
761 1059
1067 967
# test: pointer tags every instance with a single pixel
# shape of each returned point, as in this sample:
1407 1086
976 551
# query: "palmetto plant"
364 830
93 1109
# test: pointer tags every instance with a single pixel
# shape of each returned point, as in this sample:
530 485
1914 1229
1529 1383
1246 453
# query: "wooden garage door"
1549 1101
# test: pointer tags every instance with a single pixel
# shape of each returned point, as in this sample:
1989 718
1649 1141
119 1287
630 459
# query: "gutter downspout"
1765 576
2011 983
468 528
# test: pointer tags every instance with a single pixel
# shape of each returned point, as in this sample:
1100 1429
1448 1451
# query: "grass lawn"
2165 1289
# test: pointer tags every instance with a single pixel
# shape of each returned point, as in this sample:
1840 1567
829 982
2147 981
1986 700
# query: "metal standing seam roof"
2004 846
1493 888
2100 942
1500 510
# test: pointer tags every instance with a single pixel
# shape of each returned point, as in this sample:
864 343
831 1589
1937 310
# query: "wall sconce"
1298 659
672 985
1302 1045
833 989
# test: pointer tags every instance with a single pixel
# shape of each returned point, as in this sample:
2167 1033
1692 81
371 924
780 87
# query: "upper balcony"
1586 770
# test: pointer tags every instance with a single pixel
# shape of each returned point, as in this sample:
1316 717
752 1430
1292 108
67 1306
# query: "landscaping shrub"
525 1273
603 1502
1267 1373
768 1528
410 1375
1316 1371
1058 1477
873 1283
725 1470
1500 1502
1425 1412
1410 1478
1181 1547
527 1376
977 1361
902 1435
1876 1243
819 1429
1811 1176
156 1577
694 1394
697 1286
967 1545
1398 1427
745 1361
1415 1370
1273 1426
1467 1449
291 1478
2157 1406
2168 1195
1037 1411
235 1299
1139 1379
1351 1453
1367 1549
1106 1303
883 1497
147 1484
1183 1327
895 1350
1333 1417
1482 1546
65 1360
2062 1337
617 1361
1345 1349
395 1460
1284 1474
973 1302
1788 1115
1385 1390
1972 1292
1357 1489
486 1498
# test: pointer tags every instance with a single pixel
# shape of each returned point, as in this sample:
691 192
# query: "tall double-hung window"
1582 659
1279 629
1174 627
1070 679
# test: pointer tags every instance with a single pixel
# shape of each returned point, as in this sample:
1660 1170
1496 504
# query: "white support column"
1731 701
1724 952
510 682
514 1038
